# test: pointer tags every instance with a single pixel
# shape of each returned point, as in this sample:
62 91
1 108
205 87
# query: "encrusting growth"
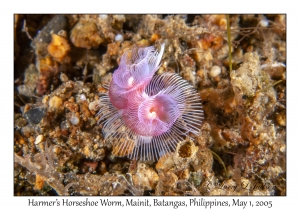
148 115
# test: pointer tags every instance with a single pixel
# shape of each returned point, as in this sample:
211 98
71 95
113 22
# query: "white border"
8 8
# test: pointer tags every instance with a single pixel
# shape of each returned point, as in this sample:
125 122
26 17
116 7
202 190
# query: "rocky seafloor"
61 66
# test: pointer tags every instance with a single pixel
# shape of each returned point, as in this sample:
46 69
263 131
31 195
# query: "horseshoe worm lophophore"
146 115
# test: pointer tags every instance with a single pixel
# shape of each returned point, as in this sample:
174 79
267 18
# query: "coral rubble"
60 75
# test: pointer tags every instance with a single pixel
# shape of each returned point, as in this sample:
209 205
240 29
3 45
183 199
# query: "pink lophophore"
146 115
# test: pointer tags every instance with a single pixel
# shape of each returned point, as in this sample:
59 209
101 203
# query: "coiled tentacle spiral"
146 115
